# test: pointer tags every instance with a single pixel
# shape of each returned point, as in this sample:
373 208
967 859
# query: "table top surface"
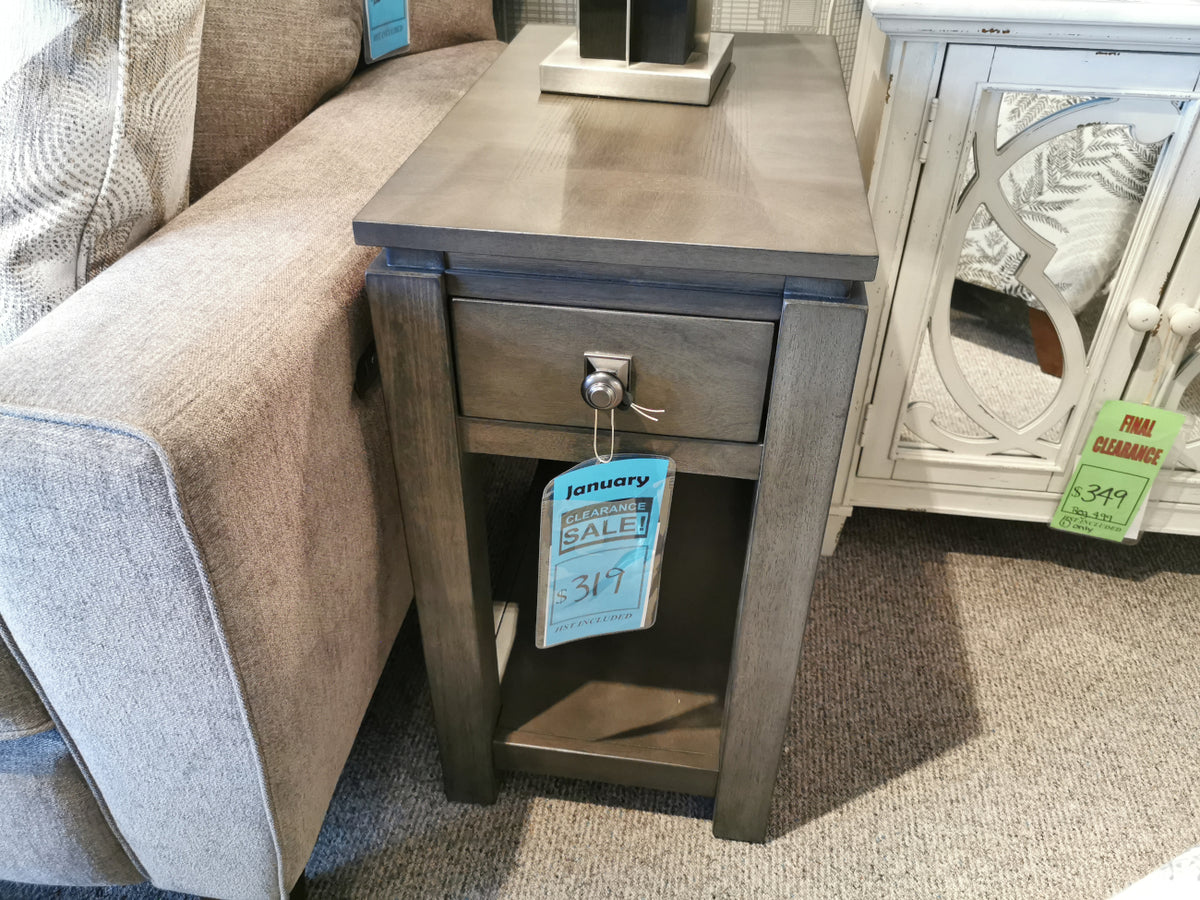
766 179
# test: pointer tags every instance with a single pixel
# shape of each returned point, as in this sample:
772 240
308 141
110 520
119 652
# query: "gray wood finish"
733 460
694 292
764 180
703 279
525 363
406 259
798 288
642 707
447 543
622 296
722 249
815 363
688 772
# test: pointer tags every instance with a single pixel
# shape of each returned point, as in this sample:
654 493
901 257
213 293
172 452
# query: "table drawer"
525 363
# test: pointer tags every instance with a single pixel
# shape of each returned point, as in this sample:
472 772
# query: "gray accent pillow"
97 102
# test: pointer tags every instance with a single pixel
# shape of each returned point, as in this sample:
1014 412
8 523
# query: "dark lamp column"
602 29
664 31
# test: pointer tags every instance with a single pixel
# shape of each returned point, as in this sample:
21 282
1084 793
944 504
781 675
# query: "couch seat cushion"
21 712
52 831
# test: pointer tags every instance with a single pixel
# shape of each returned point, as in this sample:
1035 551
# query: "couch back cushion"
96 109
265 65
444 23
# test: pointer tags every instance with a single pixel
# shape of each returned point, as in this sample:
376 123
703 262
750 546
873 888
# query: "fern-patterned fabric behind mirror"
1048 197
1049 194
1080 190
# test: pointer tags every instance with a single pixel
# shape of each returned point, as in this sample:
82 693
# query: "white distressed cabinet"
1034 176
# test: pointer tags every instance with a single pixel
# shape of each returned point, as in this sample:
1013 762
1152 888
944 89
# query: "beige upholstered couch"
202 564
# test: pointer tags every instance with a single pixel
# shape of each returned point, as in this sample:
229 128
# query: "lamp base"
565 72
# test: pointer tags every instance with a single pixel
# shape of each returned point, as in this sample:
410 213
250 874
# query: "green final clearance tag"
1123 455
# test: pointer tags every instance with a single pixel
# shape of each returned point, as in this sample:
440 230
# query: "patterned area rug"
985 710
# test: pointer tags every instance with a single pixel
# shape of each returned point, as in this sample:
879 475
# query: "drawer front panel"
525 363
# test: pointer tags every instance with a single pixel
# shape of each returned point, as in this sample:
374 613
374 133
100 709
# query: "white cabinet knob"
1185 321
1142 316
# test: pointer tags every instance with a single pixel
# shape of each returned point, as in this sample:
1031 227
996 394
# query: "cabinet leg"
815 361
833 533
443 523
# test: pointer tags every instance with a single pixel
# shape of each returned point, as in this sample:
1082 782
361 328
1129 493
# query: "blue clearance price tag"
385 28
603 530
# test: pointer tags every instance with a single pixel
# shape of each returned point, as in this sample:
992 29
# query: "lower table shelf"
643 708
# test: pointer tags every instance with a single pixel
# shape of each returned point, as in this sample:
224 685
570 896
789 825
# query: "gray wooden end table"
723 249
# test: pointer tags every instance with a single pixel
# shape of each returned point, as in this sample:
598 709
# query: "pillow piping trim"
83 260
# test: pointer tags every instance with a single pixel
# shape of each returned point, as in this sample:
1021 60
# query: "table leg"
444 523
815 361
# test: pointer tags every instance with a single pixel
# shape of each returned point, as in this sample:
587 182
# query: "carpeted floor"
985 710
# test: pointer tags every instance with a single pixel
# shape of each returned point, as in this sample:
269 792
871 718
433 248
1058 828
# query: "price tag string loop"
612 436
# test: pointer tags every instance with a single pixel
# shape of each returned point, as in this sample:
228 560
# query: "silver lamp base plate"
565 72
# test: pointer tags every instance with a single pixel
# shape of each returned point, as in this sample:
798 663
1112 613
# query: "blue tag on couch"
604 526
385 28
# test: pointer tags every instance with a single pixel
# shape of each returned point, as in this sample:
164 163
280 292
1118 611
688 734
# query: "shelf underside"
641 708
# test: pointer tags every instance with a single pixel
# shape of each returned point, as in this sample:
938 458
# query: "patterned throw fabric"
97 100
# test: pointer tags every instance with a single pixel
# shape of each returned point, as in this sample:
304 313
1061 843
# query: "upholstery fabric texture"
444 23
97 102
265 65
228 570
21 712
135 611
51 828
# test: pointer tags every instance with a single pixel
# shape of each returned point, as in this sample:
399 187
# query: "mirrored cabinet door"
1168 375
1057 189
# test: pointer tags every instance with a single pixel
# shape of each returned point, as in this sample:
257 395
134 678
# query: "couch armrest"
200 548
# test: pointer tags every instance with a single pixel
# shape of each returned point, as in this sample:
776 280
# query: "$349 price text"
1102 495
1090 493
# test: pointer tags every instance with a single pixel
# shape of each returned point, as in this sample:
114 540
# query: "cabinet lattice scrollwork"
1034 176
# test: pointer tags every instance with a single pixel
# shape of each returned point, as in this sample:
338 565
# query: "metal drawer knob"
602 390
